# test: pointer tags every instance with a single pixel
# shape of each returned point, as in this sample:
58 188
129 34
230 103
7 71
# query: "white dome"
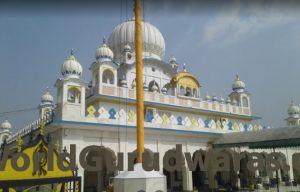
238 84
293 110
124 33
214 98
47 97
222 100
207 97
104 52
172 59
71 67
5 125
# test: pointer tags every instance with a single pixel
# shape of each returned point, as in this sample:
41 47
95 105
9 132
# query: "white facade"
103 112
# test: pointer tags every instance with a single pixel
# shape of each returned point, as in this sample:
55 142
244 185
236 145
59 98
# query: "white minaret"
46 106
293 118
239 96
104 70
5 131
70 91
174 64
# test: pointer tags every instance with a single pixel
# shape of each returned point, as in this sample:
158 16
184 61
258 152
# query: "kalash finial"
184 67
104 40
237 77
292 102
72 57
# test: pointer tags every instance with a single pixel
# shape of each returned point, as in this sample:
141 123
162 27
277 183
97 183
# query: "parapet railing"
47 119
179 101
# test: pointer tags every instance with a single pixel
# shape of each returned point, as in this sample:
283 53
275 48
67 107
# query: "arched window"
188 92
108 77
74 95
181 90
153 87
245 102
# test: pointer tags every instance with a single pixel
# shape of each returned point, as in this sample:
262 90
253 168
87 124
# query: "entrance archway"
99 181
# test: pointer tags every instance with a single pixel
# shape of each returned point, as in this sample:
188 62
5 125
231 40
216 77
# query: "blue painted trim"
170 105
59 122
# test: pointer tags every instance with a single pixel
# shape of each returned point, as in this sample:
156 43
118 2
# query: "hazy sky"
260 41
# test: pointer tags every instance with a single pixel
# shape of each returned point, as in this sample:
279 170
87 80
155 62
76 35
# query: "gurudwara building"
102 112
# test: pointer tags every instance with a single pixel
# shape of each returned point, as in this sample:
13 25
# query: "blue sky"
260 41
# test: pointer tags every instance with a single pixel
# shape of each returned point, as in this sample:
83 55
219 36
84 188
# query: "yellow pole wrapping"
139 80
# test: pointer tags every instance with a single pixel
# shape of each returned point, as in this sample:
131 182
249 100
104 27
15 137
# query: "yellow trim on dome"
74 87
185 79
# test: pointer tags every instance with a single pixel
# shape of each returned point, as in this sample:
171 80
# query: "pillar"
187 179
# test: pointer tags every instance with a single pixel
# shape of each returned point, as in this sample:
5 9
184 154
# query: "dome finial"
72 51
104 40
238 85
184 67
5 124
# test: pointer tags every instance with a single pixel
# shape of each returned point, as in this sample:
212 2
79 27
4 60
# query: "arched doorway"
99 181
108 77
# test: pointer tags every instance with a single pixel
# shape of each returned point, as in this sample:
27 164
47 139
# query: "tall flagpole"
139 80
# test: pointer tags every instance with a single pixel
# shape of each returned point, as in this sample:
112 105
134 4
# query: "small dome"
6 124
293 110
124 34
47 97
238 85
164 90
222 100
214 98
172 59
104 52
71 67
207 97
